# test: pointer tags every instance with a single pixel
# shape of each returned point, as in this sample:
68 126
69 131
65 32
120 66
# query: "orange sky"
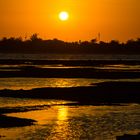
114 19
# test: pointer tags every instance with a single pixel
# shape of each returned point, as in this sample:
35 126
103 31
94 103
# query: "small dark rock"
128 137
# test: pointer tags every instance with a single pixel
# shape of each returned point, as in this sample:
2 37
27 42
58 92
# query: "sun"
63 15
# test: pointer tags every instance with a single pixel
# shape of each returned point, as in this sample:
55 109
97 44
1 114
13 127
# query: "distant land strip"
31 71
38 45
69 62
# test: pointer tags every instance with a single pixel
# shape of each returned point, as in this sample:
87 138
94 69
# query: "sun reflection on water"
61 82
61 129
62 113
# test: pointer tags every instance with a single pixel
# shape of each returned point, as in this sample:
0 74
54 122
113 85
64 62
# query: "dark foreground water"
57 119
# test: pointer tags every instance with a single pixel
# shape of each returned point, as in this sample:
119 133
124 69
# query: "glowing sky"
114 19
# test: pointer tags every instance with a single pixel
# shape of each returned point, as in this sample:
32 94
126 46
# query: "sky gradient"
113 19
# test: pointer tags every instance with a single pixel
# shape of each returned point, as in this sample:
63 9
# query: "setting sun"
70 20
63 16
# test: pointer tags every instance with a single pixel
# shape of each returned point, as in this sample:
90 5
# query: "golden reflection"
62 83
61 129
62 113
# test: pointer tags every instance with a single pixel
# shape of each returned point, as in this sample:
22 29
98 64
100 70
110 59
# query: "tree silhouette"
38 45
34 37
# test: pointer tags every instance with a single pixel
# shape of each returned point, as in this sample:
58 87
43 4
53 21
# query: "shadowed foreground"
106 92
6 121
128 137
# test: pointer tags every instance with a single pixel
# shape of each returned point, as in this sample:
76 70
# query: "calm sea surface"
60 121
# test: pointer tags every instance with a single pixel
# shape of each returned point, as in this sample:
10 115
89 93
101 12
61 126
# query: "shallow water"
30 83
61 121
77 122
23 102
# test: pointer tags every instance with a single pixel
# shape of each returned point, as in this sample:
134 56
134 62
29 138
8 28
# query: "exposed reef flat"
4 110
106 92
68 62
70 73
6 121
128 137
69 69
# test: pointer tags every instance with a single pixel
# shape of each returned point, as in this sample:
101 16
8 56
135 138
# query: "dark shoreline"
106 92
70 73
6 122
128 137
5 110
68 62
68 69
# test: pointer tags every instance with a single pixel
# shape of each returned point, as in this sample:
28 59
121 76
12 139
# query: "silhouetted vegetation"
38 45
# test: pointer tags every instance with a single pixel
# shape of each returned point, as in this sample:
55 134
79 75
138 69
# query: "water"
31 83
57 119
77 122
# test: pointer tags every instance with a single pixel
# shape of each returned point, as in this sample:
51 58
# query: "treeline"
38 45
